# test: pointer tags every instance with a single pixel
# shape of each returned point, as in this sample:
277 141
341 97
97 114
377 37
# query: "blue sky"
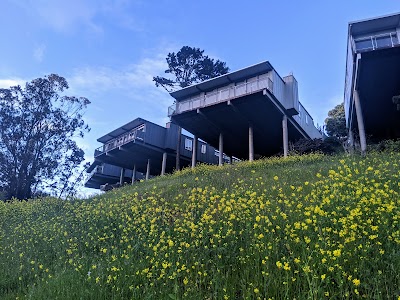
109 50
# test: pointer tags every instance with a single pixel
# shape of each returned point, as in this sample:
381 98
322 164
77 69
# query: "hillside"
306 227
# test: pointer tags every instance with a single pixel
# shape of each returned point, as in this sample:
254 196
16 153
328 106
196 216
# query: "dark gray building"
101 173
142 148
248 113
373 78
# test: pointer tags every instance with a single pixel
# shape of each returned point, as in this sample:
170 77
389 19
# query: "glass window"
362 45
188 144
306 119
203 148
384 41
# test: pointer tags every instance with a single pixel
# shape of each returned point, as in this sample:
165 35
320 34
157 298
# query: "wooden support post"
134 173
122 176
351 141
251 143
360 122
178 149
164 163
285 136
148 169
194 151
221 150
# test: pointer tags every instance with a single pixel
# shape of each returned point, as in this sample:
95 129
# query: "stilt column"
221 150
251 144
285 136
194 151
122 176
164 163
360 122
148 169
134 173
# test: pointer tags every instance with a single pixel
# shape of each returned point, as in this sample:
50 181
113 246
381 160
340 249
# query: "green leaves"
336 122
188 66
37 130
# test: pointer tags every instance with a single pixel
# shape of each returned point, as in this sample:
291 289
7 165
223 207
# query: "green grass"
306 227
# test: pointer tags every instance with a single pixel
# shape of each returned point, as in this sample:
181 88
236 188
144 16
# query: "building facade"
248 113
373 79
142 149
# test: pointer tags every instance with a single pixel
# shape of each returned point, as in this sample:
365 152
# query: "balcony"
251 86
137 133
374 42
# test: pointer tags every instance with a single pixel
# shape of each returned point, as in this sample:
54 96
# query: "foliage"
305 227
188 66
336 122
37 130
306 146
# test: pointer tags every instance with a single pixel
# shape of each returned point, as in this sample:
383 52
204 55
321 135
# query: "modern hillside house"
248 113
373 79
101 173
142 147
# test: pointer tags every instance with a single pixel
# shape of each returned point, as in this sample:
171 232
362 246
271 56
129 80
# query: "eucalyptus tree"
39 125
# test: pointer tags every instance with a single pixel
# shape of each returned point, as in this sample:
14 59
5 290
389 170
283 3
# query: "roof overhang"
121 130
374 24
211 84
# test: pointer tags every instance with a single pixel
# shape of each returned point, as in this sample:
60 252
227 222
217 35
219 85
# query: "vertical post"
285 136
122 176
134 173
164 163
221 150
351 141
194 151
178 149
360 122
231 160
148 169
251 143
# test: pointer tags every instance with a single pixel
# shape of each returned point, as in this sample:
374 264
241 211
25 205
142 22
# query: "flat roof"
222 80
374 24
123 129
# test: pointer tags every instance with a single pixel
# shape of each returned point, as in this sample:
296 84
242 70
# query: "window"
188 144
203 149
306 119
364 44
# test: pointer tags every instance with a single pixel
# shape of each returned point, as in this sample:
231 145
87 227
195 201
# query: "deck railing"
135 134
379 41
221 95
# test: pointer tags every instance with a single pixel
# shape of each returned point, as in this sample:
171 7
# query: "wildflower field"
305 227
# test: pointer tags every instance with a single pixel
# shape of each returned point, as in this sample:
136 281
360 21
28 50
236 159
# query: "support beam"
221 150
194 151
122 176
178 149
360 122
251 143
351 141
164 163
148 169
285 136
134 173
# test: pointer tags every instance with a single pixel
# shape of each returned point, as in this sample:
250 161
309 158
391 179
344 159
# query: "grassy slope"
306 227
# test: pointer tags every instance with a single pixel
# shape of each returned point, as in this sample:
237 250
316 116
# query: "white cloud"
101 79
6 83
38 52
71 15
